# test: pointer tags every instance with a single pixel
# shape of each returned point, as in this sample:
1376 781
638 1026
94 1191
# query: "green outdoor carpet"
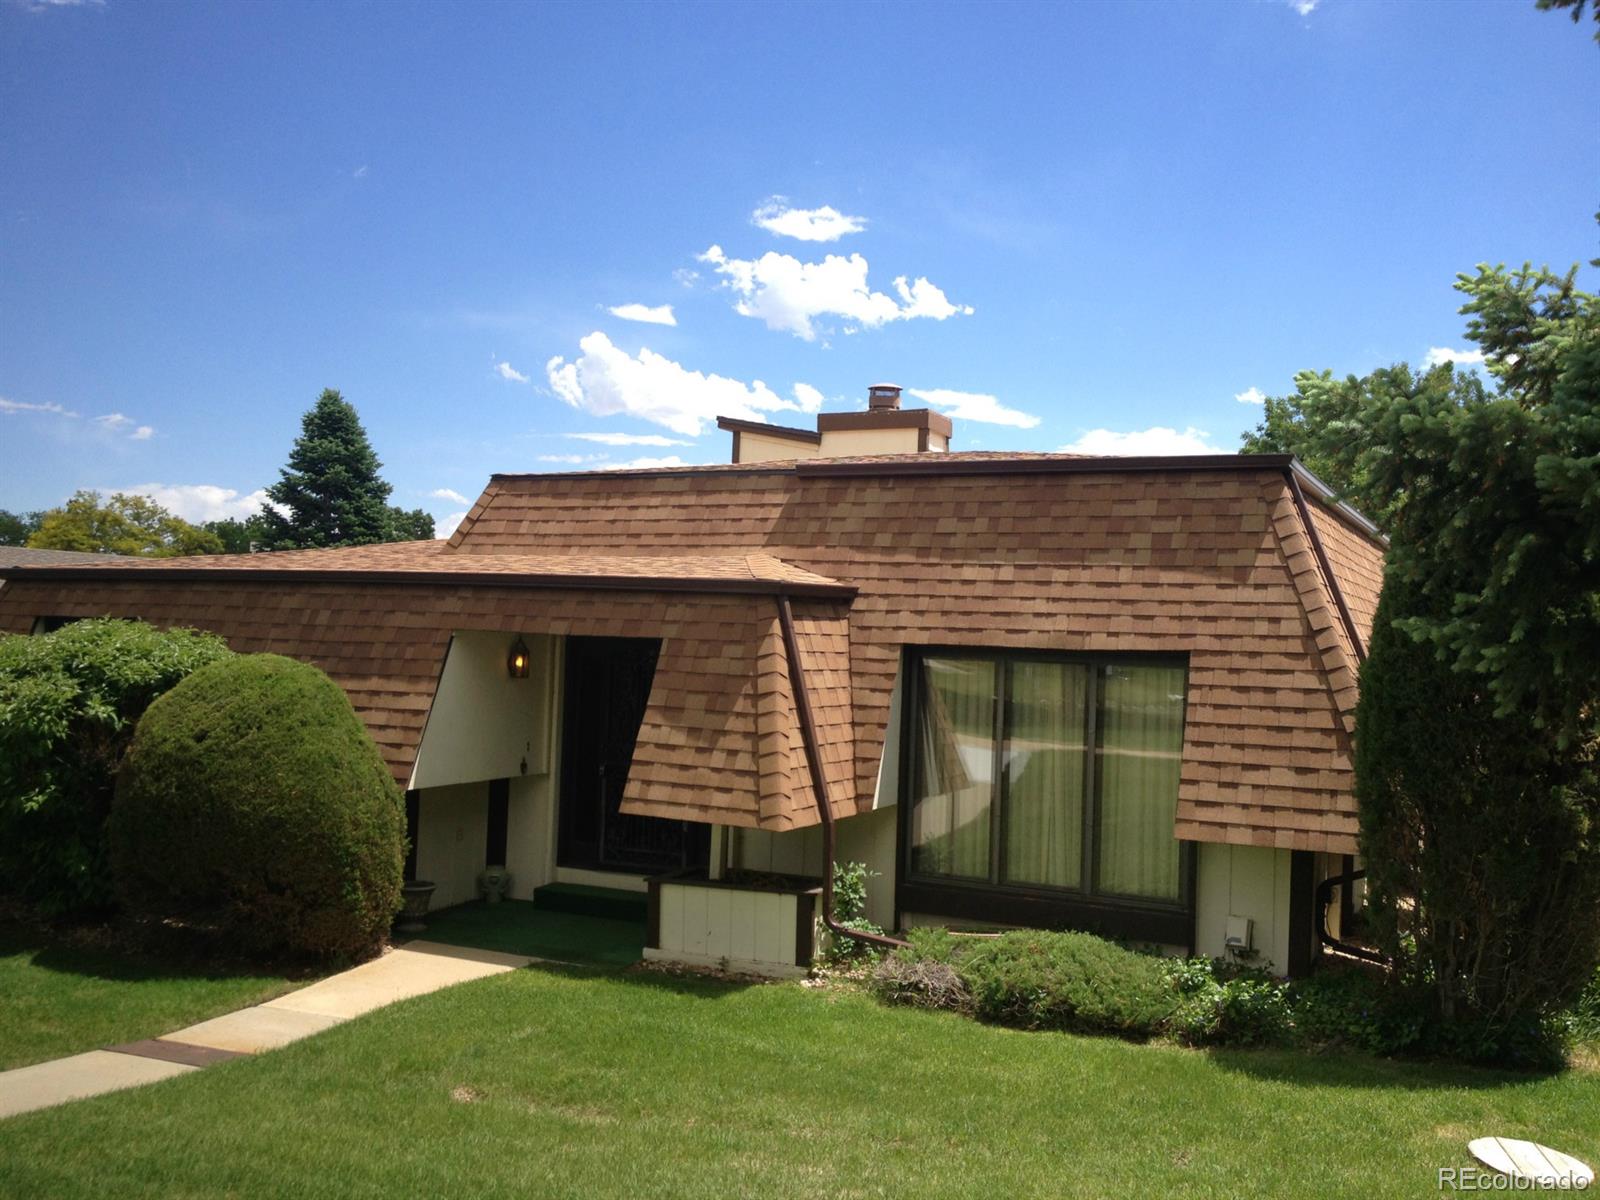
521 927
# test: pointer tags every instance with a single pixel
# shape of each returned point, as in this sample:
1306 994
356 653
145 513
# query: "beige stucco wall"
1244 881
452 824
755 447
842 443
483 724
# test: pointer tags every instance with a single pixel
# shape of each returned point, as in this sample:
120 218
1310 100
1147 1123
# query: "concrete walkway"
414 969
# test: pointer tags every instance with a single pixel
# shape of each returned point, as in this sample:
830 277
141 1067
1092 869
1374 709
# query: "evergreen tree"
331 485
17 528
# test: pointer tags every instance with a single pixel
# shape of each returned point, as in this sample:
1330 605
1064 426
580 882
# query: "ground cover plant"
68 704
566 1082
1034 979
253 801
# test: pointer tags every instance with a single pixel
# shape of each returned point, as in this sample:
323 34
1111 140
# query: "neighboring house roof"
1206 556
24 556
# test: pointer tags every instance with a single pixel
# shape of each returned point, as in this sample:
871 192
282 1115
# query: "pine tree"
331 485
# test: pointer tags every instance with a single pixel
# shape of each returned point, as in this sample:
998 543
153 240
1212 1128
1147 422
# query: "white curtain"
1138 754
1046 713
950 817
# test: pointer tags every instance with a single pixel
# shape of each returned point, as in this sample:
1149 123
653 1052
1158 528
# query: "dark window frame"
994 901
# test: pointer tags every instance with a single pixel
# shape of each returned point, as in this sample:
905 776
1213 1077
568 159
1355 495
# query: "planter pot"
494 883
416 894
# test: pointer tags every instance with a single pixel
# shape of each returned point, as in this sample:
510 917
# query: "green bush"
1238 1012
68 704
252 799
1585 1015
1072 981
850 910
1360 1010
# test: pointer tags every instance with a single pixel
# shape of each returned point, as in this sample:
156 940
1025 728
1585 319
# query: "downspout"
1324 566
819 783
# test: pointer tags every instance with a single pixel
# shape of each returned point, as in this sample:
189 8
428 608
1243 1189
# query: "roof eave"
603 583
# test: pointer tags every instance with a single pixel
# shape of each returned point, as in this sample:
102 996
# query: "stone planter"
494 884
416 894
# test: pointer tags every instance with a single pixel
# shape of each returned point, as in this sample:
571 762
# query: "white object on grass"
1531 1161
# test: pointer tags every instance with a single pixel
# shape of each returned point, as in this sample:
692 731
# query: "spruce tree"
331 485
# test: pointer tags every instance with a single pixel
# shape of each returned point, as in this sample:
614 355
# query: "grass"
60 996
519 927
576 1082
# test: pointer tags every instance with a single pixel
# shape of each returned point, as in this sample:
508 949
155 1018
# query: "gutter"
1324 565
819 784
508 579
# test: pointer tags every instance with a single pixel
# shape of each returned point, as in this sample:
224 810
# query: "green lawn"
575 1082
59 997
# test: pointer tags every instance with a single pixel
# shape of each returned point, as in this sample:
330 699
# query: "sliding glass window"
1051 773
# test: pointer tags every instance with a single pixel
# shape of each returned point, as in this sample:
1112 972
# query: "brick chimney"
883 396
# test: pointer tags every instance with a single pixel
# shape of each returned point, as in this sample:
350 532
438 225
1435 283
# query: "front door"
606 690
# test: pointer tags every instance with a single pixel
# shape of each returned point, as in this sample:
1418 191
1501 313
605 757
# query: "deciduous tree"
124 524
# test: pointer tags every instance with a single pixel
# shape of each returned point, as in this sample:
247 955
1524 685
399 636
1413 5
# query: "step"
586 900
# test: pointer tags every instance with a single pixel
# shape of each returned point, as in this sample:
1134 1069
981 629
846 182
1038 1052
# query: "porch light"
517 660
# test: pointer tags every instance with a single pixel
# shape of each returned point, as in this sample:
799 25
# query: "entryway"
606 688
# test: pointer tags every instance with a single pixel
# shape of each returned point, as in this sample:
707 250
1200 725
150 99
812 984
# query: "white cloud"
570 458
9 407
639 439
605 380
360 172
1461 358
509 373
788 294
1304 7
974 406
809 398
116 422
825 224
1156 440
198 502
641 464
686 276
661 314
1253 395
448 494
445 526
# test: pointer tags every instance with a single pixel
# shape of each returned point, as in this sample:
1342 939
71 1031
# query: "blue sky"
1104 220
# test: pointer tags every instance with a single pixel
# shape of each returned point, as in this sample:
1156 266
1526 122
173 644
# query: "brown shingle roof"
26 556
1207 558
422 561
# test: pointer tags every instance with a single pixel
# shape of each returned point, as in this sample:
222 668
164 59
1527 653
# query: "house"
1035 689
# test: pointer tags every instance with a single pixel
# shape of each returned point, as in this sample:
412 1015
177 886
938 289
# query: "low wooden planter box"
751 923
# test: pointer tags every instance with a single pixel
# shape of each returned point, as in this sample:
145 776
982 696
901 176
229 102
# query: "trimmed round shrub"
253 800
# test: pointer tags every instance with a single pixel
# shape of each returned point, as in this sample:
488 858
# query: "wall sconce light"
517 660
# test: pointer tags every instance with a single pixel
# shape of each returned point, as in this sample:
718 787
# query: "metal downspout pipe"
819 783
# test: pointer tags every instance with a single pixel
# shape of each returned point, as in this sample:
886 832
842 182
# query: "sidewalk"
414 969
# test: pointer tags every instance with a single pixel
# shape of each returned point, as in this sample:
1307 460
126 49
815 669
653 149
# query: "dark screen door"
607 687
